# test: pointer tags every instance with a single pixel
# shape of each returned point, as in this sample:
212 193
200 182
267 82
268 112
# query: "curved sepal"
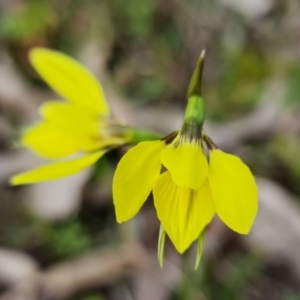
234 191
134 178
56 170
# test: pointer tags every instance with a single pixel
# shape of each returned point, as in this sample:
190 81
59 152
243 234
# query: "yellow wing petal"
183 212
187 164
69 78
56 170
234 191
47 141
134 178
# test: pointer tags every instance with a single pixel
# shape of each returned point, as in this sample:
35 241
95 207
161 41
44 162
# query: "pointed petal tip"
120 221
36 49
37 53
119 218
56 170
181 249
18 180
243 230
12 181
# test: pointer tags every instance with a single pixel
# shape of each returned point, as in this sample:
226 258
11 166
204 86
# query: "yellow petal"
69 78
51 108
234 191
48 141
183 212
56 170
134 178
81 123
187 164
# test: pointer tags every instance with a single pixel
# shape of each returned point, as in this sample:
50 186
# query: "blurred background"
60 240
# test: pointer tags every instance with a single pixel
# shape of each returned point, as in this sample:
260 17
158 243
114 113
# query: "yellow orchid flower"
74 133
191 179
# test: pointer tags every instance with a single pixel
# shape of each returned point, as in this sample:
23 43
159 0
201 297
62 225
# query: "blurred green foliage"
232 276
61 240
67 240
27 20
294 86
240 86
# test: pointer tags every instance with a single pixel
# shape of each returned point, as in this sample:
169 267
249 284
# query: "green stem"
139 135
